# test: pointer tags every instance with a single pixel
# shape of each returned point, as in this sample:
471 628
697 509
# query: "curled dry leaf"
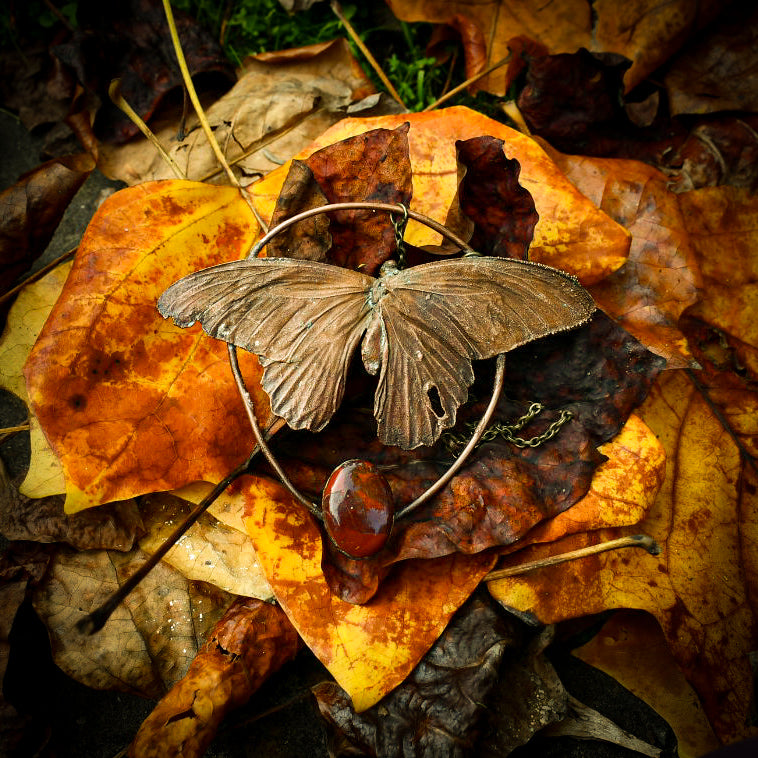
632 649
249 644
114 527
661 278
571 233
31 209
208 552
722 225
275 109
700 588
26 318
642 31
125 398
149 641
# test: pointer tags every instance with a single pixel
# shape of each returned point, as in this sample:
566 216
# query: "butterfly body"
420 329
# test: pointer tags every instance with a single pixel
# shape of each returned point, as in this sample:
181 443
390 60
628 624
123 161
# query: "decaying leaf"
571 234
208 552
699 588
249 644
149 641
125 399
31 209
275 109
632 649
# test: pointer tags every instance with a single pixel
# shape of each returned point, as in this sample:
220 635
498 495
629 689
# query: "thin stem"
453 92
265 449
114 92
37 275
190 87
6 430
95 621
472 443
638 540
390 207
369 57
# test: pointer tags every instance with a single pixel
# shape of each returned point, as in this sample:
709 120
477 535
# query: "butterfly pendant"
423 326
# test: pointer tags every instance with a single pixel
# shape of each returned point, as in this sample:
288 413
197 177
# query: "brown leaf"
149 641
662 275
271 113
114 527
31 209
249 644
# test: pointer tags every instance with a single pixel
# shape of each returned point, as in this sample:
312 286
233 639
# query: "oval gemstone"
358 508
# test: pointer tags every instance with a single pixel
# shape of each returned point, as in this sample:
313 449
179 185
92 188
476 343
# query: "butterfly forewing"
442 315
303 319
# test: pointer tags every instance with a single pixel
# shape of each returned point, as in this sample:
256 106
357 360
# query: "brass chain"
399 225
455 442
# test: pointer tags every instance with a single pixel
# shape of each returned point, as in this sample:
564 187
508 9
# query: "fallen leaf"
26 318
275 109
698 589
114 527
642 31
208 552
661 277
632 649
722 228
717 71
31 209
571 233
150 640
125 399
436 710
368 649
249 644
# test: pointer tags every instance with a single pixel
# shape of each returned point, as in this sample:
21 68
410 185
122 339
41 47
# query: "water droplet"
419 355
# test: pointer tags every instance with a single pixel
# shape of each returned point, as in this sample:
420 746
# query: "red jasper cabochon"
358 508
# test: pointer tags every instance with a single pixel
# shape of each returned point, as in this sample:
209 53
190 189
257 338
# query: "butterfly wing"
302 318
440 316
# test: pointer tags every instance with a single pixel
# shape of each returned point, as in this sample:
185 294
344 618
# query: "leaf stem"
37 275
459 88
638 540
337 9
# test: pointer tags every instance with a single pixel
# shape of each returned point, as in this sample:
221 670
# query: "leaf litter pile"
639 418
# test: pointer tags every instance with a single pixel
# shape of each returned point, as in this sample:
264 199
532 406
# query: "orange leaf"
571 234
661 278
129 402
705 521
369 649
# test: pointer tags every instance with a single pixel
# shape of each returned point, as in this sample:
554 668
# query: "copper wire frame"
247 398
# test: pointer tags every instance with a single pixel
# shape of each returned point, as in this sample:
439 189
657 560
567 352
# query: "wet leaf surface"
150 640
249 644
121 398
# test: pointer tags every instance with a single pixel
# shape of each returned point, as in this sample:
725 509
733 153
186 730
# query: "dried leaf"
699 588
661 278
571 233
121 369
368 649
149 641
31 209
25 321
249 644
722 228
435 711
114 527
632 649
274 110
208 552
642 30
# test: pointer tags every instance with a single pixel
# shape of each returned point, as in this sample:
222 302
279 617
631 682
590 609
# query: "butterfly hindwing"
442 315
302 318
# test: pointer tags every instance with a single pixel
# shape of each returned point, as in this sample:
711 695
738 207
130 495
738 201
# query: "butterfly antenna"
472 443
